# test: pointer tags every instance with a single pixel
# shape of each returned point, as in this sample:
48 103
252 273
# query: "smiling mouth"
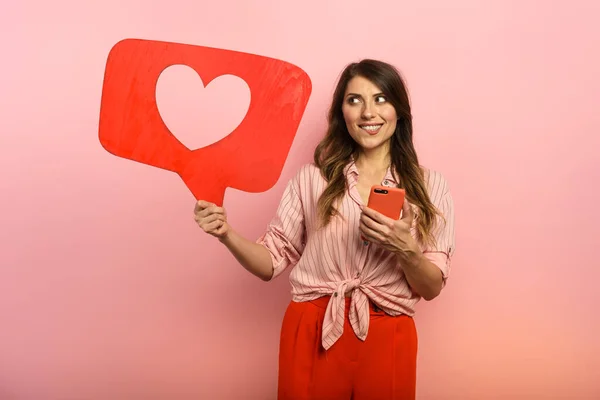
371 129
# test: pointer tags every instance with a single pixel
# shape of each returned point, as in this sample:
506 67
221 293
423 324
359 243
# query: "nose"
368 110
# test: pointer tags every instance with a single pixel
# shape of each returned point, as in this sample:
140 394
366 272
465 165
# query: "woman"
348 332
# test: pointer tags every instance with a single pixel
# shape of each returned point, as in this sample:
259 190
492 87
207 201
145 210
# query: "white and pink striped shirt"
335 261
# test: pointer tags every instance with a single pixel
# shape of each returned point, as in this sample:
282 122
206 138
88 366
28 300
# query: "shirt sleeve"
441 251
284 237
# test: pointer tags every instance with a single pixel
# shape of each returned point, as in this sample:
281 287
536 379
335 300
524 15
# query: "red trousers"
383 367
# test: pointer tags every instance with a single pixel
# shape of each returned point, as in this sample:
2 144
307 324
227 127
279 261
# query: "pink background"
108 290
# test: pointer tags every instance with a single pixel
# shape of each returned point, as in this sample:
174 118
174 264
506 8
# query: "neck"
374 159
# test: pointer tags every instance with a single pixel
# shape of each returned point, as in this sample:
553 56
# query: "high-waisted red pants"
383 367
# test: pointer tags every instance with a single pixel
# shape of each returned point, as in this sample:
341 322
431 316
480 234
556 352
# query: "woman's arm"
254 257
423 276
281 245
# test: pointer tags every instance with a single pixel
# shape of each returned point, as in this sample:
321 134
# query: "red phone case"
387 200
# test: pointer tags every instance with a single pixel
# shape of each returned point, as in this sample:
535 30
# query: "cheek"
392 124
389 114
349 115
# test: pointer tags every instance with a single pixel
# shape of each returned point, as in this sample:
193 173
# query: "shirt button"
386 182
335 294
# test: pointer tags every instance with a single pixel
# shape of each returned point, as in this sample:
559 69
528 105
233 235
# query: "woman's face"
370 118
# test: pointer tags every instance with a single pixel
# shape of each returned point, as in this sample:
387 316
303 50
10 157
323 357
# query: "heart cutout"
199 115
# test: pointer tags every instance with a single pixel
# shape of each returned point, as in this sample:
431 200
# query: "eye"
381 99
353 100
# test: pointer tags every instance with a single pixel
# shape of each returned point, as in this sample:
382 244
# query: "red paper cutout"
250 158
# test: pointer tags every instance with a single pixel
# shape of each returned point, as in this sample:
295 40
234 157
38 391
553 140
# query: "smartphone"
387 200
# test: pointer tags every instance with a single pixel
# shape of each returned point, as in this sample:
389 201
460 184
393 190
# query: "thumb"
407 213
201 205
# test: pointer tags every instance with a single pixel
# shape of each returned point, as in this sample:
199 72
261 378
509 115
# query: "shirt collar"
351 172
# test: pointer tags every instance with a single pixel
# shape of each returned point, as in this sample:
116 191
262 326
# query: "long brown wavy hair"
337 148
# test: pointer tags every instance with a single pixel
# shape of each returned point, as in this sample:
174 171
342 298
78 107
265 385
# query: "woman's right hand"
212 219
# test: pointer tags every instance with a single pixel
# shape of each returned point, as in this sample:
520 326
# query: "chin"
371 143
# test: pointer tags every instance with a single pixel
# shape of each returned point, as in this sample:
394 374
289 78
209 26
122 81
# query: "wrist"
226 237
410 259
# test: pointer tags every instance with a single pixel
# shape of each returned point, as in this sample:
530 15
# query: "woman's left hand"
392 235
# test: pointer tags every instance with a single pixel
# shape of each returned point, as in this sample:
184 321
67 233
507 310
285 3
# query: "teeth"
371 128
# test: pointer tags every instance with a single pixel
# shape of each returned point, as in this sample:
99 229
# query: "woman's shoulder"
436 183
308 173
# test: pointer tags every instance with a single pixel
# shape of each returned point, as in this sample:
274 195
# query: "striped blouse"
335 261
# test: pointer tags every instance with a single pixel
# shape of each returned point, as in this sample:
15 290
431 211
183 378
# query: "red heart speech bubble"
250 158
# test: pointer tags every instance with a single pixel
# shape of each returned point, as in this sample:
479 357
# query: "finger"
373 231
210 218
213 226
221 231
210 210
407 214
201 205
377 216
364 236
370 222
370 234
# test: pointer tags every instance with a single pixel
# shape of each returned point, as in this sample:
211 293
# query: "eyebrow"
358 95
